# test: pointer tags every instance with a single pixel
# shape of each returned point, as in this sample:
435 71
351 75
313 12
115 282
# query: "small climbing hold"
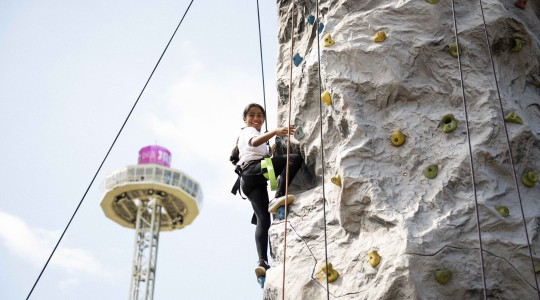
261 281
297 59
432 1
537 269
517 45
529 178
512 117
280 213
374 258
330 272
453 49
431 171
320 27
503 210
327 40
298 133
326 98
443 276
397 138
380 36
336 179
311 20
521 4
448 123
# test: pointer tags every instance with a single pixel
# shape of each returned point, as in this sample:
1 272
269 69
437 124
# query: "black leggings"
254 186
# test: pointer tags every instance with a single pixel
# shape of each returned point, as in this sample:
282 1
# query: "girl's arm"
263 138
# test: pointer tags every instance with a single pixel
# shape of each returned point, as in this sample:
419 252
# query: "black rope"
322 149
106 155
470 152
262 64
509 146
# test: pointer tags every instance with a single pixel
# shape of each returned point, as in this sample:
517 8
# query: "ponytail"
235 154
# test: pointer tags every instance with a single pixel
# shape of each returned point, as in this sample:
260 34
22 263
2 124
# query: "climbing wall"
401 202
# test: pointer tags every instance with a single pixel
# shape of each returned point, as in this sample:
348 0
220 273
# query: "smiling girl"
252 148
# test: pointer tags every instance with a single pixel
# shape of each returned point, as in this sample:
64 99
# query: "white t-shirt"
248 152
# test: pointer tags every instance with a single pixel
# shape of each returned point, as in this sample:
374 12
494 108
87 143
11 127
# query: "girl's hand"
283 131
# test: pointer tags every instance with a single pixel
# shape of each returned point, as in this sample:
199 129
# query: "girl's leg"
279 163
259 200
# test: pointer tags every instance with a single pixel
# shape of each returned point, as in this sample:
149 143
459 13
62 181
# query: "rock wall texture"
409 82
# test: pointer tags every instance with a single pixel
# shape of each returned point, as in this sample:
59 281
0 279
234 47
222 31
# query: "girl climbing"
251 148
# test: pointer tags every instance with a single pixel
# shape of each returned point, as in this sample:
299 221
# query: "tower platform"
129 188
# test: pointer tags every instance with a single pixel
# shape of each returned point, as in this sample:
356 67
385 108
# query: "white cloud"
34 245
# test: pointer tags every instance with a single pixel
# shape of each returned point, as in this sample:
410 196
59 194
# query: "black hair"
235 153
250 106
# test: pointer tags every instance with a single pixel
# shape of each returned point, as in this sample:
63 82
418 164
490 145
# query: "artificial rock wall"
408 82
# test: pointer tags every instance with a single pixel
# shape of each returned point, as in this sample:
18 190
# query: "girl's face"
254 118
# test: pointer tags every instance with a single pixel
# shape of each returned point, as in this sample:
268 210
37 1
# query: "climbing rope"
322 148
470 151
262 64
107 155
288 152
509 145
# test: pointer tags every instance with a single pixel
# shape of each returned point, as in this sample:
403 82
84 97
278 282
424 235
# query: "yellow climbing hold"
453 49
326 98
517 45
328 41
374 258
503 210
380 36
329 272
443 276
336 179
397 138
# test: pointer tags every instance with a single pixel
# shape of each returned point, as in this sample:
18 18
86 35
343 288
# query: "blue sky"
70 72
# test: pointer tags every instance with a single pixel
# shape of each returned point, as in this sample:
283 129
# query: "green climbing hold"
503 210
537 269
431 171
453 49
432 1
448 123
517 45
529 178
512 117
443 276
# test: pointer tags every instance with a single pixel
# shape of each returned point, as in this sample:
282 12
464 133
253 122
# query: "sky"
70 72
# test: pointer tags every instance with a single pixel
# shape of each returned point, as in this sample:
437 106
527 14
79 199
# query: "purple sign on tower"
155 155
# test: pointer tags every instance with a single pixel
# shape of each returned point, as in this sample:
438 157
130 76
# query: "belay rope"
288 150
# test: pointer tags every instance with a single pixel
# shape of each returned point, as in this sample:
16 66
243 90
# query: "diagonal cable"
106 155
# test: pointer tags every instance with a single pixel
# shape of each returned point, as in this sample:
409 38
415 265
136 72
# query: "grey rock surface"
407 83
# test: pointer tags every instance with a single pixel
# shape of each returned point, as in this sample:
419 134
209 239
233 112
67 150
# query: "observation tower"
150 197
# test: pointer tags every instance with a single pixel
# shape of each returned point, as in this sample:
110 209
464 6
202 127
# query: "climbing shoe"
278 202
261 268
